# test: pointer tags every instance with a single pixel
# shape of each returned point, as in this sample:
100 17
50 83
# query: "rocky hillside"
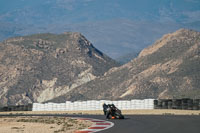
170 68
41 67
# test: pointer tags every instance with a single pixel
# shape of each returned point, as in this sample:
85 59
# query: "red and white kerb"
98 125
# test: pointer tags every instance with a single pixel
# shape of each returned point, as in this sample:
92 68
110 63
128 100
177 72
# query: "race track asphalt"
149 123
156 124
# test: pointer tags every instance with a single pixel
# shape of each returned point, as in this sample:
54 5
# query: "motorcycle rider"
107 109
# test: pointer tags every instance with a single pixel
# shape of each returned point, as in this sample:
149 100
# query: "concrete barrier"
90 105
94 105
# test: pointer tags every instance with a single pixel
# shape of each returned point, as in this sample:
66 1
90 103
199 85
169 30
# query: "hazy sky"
116 27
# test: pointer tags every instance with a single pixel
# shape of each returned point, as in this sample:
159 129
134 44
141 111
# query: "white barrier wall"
94 105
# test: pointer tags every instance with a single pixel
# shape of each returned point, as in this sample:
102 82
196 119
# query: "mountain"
170 68
37 11
40 67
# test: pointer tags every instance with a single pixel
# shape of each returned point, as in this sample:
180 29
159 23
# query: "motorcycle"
112 112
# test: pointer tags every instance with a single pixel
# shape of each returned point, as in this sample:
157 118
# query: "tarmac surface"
156 124
147 123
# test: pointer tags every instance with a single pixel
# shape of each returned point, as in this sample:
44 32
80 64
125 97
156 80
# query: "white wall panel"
94 105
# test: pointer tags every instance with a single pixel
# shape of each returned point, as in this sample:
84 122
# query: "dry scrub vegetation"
35 124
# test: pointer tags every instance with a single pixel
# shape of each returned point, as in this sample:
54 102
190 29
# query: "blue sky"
116 27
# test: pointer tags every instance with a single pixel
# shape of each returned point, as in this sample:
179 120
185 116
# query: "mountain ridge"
56 68
40 67
167 69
